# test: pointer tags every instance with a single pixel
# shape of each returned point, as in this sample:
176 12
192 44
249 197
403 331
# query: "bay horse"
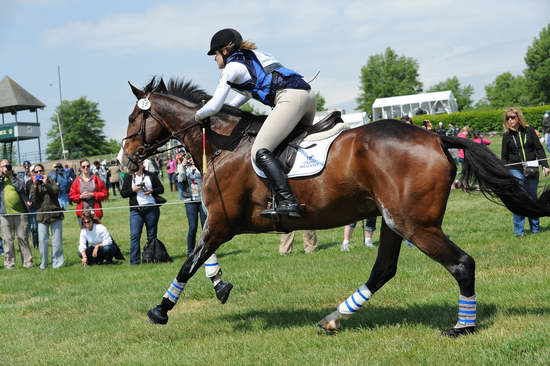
386 168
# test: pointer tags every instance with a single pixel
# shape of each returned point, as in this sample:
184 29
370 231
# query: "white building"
412 105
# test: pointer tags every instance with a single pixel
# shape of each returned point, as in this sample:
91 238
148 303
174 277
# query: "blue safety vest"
265 82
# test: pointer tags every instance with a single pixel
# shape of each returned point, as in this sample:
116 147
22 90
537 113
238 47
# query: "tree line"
384 75
389 74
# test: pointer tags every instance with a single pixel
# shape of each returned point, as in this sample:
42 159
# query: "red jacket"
100 194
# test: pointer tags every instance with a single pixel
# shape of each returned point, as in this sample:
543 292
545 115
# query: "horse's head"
147 128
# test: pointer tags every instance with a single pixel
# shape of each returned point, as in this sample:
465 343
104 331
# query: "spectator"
158 161
427 125
99 170
193 207
464 133
43 196
370 227
25 175
87 191
523 153
406 119
477 138
114 176
181 179
151 166
13 208
171 170
96 244
546 128
141 189
440 129
69 173
287 240
63 183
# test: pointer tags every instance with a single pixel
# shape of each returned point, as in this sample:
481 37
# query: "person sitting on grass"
96 244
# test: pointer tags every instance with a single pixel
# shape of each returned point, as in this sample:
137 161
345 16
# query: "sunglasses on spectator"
511 117
86 221
84 166
39 170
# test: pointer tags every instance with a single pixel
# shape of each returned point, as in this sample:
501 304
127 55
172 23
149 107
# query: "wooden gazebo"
13 99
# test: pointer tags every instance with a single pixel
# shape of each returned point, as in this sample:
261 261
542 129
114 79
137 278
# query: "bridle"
146 150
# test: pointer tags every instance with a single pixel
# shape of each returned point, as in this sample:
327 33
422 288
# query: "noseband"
146 149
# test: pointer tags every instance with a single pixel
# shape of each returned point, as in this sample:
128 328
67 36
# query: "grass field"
97 315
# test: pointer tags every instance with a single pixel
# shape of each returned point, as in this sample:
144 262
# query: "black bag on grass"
155 252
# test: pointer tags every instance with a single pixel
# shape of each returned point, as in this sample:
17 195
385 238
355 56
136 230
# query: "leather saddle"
249 126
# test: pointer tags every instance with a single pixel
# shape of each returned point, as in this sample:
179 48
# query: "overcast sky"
100 45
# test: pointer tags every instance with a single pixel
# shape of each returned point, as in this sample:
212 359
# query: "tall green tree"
82 129
463 95
508 90
387 75
537 73
319 102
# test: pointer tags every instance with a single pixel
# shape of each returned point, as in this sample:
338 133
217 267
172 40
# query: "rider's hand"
197 118
546 171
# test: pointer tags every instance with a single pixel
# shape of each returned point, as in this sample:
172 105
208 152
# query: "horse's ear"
137 92
161 88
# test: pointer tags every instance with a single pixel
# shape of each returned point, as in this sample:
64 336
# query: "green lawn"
97 315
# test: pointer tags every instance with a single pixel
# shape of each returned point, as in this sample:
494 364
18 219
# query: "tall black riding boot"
287 203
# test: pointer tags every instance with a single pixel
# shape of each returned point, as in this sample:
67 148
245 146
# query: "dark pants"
32 225
193 210
148 215
115 186
105 253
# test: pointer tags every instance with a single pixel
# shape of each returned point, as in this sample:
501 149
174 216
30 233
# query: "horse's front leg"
203 254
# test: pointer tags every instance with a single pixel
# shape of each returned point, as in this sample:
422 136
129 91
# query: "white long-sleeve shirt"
97 236
237 73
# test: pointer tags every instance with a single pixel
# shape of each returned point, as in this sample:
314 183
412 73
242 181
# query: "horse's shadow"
439 316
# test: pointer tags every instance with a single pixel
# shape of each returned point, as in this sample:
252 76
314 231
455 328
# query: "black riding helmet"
223 38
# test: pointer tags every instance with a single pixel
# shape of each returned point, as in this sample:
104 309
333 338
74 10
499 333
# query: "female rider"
254 74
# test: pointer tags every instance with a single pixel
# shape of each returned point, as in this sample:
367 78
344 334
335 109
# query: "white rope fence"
104 208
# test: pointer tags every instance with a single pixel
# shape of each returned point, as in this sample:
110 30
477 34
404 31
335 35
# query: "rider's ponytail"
247 45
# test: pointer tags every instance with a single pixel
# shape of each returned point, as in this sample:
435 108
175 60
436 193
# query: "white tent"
412 105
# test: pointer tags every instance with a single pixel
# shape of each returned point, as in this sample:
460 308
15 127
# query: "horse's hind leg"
383 270
433 242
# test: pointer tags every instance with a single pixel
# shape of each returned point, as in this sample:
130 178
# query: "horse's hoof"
157 316
223 289
329 327
325 331
457 332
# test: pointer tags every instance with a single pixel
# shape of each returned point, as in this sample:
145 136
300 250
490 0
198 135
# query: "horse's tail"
483 168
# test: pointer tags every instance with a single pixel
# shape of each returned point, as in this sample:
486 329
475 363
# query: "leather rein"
146 150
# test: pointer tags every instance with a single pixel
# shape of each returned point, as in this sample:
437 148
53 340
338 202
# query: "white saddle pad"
308 161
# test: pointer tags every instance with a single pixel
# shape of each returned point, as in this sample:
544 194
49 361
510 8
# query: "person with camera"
44 198
87 191
63 183
142 188
523 153
13 218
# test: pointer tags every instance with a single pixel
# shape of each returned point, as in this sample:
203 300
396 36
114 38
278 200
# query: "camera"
141 186
38 177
